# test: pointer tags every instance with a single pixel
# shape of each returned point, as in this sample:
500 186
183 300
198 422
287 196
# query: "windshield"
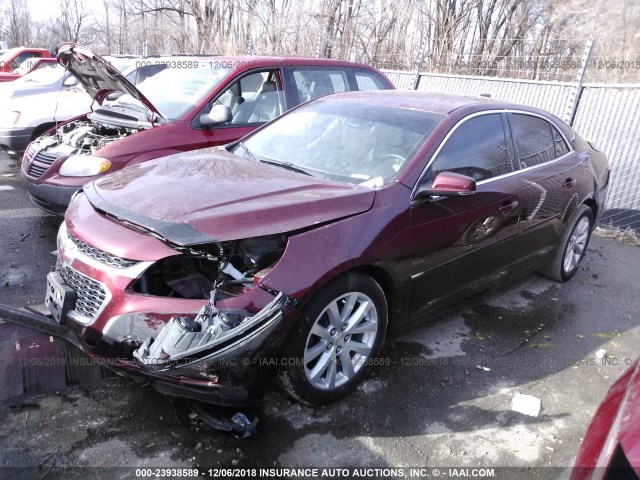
174 90
342 140
46 74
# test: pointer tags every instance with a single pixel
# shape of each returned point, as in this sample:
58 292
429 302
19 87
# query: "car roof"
25 49
442 103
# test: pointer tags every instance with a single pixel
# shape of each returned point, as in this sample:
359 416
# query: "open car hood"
212 195
97 75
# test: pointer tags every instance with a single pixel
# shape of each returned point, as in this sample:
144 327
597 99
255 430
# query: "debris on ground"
480 367
218 418
627 235
526 404
600 354
6 187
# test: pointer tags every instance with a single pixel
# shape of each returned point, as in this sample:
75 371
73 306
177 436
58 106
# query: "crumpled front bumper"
236 376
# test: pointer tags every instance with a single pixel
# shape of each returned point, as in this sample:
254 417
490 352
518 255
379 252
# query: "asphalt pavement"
444 399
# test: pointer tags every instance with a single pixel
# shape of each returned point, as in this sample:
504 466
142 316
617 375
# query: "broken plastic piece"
480 367
183 340
247 427
215 418
232 271
526 404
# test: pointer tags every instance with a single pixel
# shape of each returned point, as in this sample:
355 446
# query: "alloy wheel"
340 341
576 245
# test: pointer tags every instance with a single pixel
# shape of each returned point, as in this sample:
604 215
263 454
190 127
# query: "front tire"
572 248
330 349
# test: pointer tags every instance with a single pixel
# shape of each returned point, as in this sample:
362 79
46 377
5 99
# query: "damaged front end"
221 335
212 338
197 322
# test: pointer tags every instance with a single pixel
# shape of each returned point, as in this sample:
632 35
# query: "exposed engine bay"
235 266
83 137
228 267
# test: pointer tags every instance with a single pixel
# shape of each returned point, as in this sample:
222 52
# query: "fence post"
574 99
421 54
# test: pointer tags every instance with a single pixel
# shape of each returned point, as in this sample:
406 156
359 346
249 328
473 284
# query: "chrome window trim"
492 112
488 180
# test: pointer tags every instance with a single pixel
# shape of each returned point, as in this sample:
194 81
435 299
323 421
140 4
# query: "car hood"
212 195
97 75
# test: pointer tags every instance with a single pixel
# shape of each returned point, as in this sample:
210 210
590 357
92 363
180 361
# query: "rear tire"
572 247
331 348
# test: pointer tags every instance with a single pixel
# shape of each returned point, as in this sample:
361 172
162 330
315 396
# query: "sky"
46 9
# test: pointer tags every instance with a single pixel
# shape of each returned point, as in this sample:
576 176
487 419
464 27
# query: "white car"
34 103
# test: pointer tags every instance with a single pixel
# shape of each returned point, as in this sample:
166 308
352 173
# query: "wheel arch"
40 129
386 282
591 203
378 273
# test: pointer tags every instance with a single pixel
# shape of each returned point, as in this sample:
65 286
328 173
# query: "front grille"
90 295
41 163
28 156
46 157
103 257
37 170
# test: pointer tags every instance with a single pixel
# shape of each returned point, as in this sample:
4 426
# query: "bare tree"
17 28
518 38
72 19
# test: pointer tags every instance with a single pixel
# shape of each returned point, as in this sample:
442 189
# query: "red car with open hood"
195 102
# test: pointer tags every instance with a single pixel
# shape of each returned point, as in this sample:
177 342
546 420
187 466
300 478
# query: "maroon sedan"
611 446
299 247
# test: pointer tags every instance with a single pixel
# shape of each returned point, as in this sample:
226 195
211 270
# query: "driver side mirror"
449 184
218 114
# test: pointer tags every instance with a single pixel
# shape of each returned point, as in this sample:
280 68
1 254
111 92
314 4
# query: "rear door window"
314 82
536 140
367 80
561 146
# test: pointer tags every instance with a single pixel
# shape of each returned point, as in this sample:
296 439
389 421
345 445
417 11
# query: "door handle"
568 183
508 207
